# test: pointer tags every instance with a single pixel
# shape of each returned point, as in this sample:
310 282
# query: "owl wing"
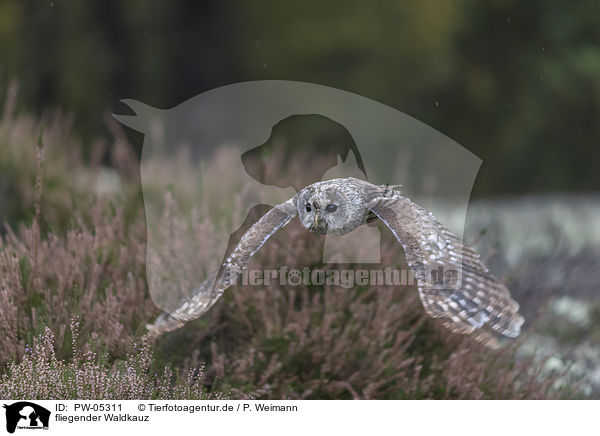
209 291
469 300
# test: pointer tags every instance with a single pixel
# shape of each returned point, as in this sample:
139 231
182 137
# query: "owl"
475 304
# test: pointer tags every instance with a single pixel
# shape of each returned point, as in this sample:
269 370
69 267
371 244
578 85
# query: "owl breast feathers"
476 303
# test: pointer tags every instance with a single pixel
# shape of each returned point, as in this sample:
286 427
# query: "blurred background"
515 82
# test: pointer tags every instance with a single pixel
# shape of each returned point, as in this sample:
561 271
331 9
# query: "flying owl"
477 305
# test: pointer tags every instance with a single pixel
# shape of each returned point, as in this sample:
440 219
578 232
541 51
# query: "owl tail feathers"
192 307
163 324
483 335
487 339
490 334
511 329
508 324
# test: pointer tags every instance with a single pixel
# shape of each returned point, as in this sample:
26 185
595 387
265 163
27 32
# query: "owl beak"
316 221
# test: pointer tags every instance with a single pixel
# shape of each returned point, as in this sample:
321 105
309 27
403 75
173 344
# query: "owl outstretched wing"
209 291
469 300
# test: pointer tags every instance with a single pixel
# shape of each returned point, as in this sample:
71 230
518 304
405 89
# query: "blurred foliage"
515 82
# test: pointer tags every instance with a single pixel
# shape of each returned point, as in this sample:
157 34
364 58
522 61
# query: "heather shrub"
336 344
73 251
35 149
93 270
20 161
330 342
89 375
324 341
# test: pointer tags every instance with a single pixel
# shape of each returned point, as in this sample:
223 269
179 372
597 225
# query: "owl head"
332 207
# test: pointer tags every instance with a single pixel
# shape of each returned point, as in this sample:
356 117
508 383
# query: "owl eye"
331 208
308 209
